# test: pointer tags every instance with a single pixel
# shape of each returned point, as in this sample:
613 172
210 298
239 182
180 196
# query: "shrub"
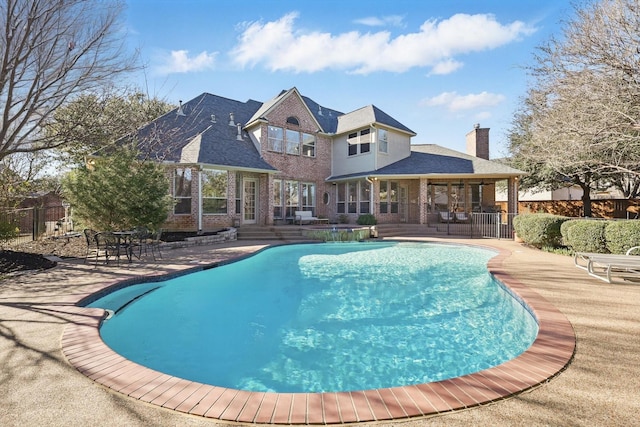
367 219
622 235
586 236
8 231
564 229
539 229
343 219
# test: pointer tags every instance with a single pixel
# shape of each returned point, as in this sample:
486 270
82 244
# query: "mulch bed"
13 262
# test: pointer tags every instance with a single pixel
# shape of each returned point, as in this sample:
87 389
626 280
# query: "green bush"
367 219
564 229
8 231
586 236
539 229
622 235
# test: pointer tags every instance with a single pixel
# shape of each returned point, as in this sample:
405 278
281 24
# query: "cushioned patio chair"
462 217
445 216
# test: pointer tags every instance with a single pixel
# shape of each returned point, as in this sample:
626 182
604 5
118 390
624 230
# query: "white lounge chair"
461 217
445 216
603 266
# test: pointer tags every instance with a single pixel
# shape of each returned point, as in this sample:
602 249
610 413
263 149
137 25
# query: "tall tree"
119 192
93 121
579 121
51 51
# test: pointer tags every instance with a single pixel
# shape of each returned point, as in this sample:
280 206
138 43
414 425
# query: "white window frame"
217 199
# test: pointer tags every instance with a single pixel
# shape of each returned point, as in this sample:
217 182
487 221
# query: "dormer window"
359 142
293 121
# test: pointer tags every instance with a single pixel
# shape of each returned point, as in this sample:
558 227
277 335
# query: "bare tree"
51 51
579 121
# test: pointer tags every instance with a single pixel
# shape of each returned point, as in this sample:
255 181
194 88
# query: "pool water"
324 317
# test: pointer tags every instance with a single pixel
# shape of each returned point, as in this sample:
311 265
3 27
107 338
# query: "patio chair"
92 247
604 266
140 239
153 242
445 216
462 217
110 246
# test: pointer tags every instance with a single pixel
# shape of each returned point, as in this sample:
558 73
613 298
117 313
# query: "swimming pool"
373 315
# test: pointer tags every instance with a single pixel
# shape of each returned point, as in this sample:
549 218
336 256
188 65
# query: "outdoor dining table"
125 241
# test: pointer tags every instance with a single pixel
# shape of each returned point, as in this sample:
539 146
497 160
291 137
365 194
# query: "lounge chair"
603 266
445 216
461 217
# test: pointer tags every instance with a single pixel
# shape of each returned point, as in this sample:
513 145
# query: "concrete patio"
39 387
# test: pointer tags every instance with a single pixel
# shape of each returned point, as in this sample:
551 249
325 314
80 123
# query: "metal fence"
497 225
36 222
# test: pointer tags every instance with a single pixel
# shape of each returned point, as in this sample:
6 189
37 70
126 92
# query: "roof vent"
213 118
231 120
239 136
180 112
319 110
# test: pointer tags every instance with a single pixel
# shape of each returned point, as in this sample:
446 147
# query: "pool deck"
57 371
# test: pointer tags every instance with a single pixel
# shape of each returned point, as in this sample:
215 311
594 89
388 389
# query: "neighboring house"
236 163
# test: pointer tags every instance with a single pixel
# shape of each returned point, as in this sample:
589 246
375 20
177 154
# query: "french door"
249 200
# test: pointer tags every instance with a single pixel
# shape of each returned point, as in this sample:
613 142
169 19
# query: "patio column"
422 201
512 195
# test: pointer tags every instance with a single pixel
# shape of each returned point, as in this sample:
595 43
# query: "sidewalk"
39 387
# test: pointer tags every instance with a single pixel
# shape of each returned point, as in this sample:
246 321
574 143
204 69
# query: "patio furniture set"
114 245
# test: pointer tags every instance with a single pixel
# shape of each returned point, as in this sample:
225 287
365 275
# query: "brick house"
235 163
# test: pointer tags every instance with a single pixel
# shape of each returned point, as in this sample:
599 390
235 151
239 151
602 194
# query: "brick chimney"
478 142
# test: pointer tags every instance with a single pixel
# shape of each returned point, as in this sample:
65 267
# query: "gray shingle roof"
365 116
433 160
165 138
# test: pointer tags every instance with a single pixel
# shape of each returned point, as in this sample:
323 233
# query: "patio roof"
434 161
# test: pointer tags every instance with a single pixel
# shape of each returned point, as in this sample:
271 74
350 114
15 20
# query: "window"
293 142
341 198
293 121
182 191
383 143
352 142
214 191
275 139
388 197
291 198
353 197
238 193
365 197
308 145
359 142
365 141
277 199
308 196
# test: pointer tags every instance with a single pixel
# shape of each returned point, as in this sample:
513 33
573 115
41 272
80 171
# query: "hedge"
586 235
539 229
622 235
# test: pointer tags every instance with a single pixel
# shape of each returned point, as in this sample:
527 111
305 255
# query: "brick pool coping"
549 354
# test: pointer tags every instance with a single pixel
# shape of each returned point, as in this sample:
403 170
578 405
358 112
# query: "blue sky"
438 67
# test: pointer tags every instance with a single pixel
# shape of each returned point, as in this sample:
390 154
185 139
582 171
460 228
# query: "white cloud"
374 21
178 61
452 101
446 66
278 45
